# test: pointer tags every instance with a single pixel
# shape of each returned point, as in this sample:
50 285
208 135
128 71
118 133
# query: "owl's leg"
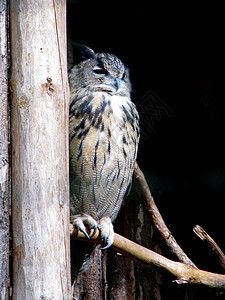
107 233
79 221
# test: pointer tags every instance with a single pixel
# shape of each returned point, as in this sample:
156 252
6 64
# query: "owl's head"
103 72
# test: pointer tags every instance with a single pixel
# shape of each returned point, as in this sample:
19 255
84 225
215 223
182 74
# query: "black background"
175 53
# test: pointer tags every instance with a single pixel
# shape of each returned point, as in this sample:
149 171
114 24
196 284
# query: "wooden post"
40 176
4 156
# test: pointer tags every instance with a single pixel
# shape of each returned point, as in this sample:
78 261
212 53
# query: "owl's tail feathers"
81 257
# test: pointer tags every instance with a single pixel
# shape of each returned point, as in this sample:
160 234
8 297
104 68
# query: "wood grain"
40 182
4 156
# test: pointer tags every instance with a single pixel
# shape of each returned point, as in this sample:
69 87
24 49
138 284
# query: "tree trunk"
40 176
4 156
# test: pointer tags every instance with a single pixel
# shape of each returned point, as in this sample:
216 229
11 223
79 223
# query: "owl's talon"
107 245
79 221
85 233
104 243
95 229
107 233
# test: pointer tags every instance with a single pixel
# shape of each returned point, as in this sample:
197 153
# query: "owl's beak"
117 84
112 84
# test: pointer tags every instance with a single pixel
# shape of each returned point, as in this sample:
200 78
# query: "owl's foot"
79 221
107 233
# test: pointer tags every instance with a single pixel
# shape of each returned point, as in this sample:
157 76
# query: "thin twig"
183 273
203 235
157 219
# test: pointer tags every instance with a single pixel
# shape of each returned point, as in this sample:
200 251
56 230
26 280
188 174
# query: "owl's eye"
100 71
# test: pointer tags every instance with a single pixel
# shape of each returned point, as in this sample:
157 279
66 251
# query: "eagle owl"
104 136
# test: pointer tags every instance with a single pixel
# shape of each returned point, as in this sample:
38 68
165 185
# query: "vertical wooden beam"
40 176
4 155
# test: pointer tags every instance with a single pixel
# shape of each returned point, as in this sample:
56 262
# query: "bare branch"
157 219
184 273
203 235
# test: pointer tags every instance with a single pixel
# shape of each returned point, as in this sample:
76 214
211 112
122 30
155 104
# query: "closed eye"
100 71
124 76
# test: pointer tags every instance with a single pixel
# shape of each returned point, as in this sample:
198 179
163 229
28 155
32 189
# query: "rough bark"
40 177
90 284
4 156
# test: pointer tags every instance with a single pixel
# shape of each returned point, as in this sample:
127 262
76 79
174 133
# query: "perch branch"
157 219
203 235
184 273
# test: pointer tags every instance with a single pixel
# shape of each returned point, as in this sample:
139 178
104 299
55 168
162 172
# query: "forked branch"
157 219
183 273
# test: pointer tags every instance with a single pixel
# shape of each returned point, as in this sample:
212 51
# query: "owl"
104 136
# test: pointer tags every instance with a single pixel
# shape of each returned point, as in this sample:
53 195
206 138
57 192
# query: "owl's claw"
95 229
79 221
84 232
104 224
107 233
107 244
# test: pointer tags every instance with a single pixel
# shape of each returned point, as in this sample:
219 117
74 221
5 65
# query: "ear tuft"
85 51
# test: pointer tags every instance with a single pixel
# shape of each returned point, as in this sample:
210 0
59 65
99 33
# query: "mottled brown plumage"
104 135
